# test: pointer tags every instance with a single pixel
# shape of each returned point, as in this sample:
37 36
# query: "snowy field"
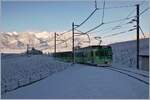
70 81
20 70
83 82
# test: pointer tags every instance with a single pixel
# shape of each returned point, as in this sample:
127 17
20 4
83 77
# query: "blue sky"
57 16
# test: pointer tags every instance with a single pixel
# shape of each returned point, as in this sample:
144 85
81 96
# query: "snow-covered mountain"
40 40
13 40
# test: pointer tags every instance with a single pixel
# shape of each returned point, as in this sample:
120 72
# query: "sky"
57 16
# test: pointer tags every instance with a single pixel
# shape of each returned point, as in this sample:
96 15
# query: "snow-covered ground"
82 81
19 70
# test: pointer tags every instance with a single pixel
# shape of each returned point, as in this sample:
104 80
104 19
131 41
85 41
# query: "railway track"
138 76
131 72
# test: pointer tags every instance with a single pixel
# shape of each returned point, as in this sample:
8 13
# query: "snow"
83 82
15 33
18 70
133 69
124 53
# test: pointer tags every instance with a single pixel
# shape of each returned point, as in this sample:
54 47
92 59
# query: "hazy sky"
55 16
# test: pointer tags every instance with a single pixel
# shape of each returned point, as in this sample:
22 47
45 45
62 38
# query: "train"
88 55
34 51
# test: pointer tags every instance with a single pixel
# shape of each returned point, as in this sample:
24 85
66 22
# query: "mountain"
11 41
40 40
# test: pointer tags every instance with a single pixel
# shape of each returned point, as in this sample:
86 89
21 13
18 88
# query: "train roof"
88 47
96 46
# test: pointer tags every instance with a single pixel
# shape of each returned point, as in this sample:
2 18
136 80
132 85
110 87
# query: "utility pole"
73 51
137 20
55 44
27 48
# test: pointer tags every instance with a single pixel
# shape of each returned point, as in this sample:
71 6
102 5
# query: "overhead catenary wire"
103 11
70 38
114 21
96 8
63 41
82 21
118 25
87 18
114 34
65 32
109 22
142 32
91 14
118 20
94 28
79 34
110 29
115 7
101 21
127 18
144 11
107 32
